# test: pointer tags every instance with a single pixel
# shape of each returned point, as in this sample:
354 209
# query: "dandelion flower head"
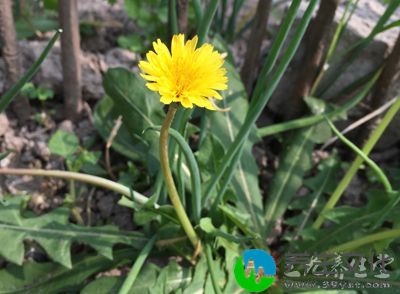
187 75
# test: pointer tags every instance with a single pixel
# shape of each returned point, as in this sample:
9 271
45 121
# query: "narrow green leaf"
379 172
352 53
230 31
369 239
206 20
260 101
173 17
369 145
48 277
171 278
277 46
137 266
212 269
198 11
11 93
199 277
311 120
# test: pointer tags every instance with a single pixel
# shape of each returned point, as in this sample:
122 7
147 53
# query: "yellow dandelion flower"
187 75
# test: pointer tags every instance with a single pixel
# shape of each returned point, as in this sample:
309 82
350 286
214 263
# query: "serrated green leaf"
294 220
339 214
144 282
171 278
220 276
199 277
55 234
104 285
48 277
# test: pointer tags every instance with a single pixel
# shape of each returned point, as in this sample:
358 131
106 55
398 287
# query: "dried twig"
361 121
110 139
167 242
88 204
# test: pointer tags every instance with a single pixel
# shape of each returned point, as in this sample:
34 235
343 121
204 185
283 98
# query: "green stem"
390 234
74 209
93 180
169 180
335 40
381 175
137 266
375 136
194 170
214 280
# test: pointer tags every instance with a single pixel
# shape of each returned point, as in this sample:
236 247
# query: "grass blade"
11 93
352 53
311 120
211 269
387 209
380 174
277 46
198 11
375 136
137 266
230 31
207 20
260 102
346 247
173 17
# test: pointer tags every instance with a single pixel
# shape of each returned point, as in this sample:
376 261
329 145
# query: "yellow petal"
185 74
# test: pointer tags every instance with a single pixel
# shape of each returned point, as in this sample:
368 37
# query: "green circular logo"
255 271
